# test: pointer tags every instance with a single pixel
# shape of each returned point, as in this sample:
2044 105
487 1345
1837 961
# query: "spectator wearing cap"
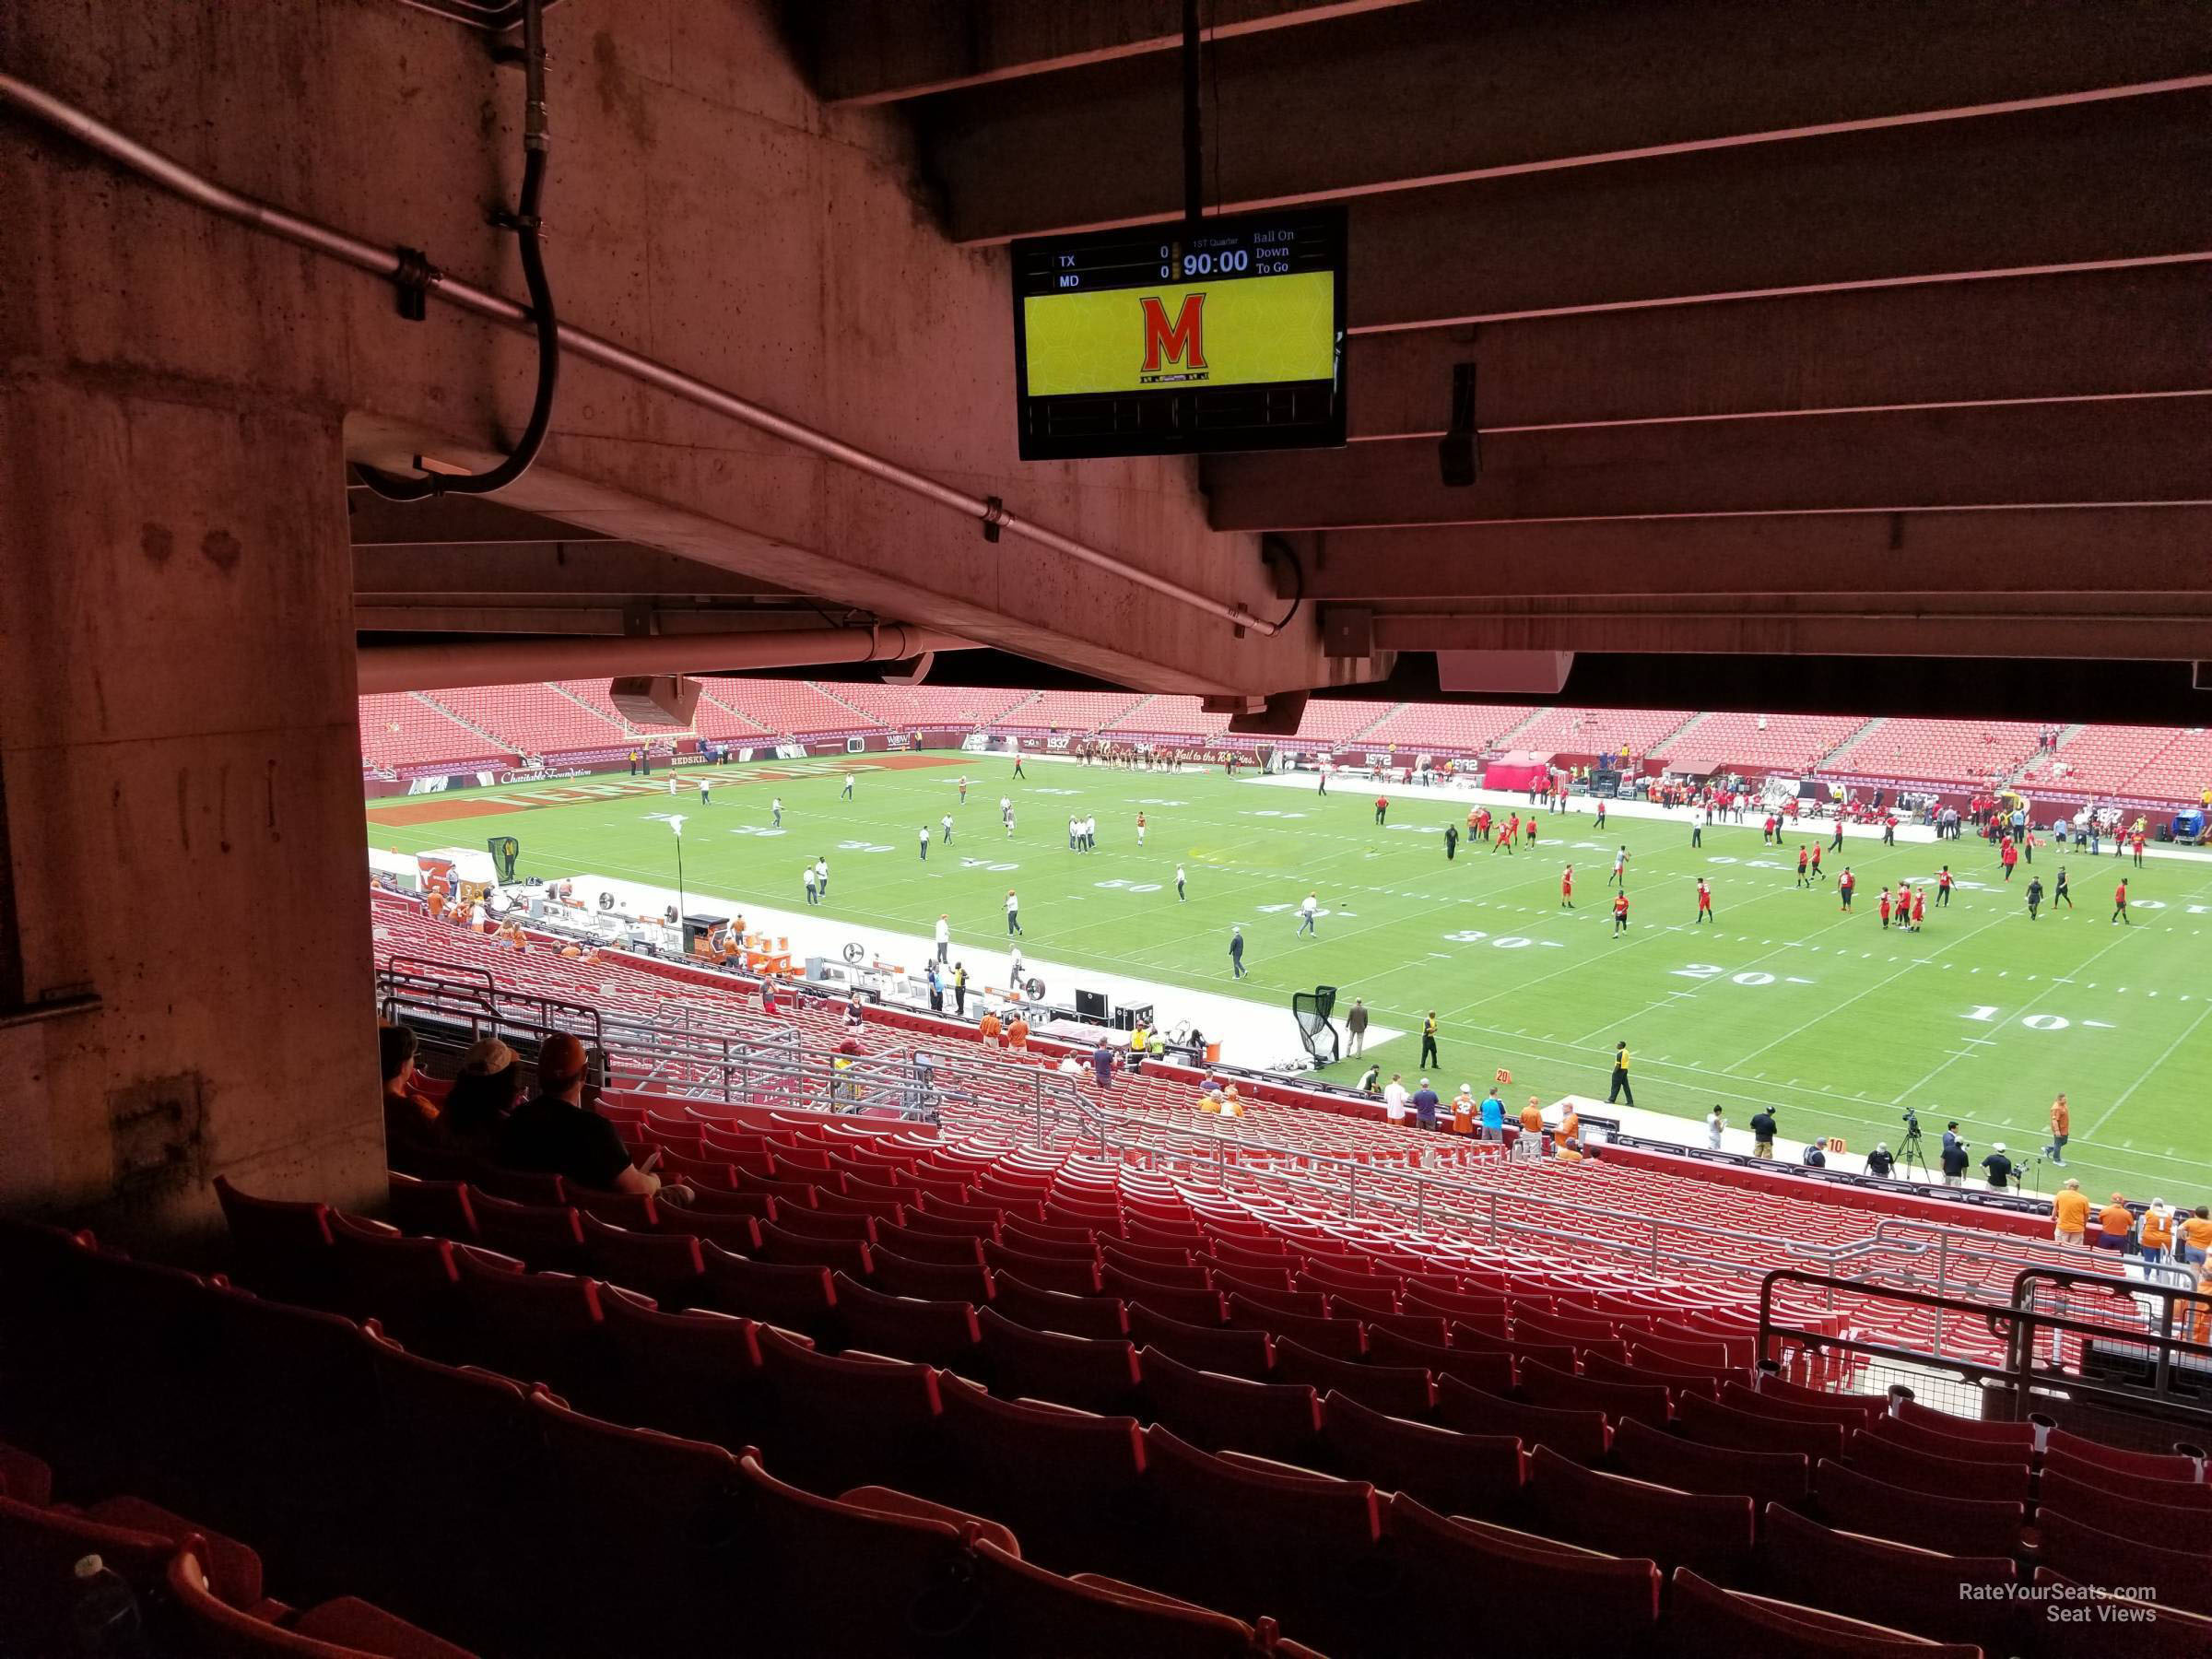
411 1118
2115 1221
2070 1216
1425 1103
555 1132
488 1087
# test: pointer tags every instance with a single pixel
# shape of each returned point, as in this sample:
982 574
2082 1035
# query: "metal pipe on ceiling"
514 662
386 263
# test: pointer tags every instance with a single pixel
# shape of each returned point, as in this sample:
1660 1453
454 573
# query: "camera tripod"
1909 1151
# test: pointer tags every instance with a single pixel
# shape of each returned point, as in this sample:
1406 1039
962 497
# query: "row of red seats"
1709 1532
197 1590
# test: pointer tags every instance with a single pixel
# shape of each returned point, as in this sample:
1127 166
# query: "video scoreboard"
1160 340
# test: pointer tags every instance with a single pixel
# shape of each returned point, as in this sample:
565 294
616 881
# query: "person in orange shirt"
2062 1122
1463 1110
1531 1144
1570 1152
2196 1237
2115 1221
2158 1231
2070 1215
1571 1127
987 1028
1018 1034
1232 1103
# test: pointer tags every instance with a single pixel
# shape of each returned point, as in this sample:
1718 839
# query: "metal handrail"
2019 1325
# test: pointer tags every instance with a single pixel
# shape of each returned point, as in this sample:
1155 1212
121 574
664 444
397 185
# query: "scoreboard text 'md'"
1161 341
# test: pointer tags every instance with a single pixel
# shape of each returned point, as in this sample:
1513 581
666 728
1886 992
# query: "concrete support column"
180 756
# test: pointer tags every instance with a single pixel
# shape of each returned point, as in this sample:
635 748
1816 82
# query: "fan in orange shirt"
2070 1214
2115 1221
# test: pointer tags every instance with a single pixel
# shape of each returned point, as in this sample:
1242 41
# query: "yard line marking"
2188 1033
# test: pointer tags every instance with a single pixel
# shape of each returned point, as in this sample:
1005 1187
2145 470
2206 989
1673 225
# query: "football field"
1782 1000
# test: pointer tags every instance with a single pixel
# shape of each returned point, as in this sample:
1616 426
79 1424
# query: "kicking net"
1311 1011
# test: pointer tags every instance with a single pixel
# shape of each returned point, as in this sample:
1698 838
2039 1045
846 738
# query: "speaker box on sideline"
654 700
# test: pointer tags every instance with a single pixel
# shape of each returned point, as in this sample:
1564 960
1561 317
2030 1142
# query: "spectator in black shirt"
1954 1159
1999 1167
1880 1162
553 1131
1762 1134
1814 1156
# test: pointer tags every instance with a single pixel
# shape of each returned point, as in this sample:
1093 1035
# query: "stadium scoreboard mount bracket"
1162 340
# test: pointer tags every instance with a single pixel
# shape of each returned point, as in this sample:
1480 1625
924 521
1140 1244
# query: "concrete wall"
178 395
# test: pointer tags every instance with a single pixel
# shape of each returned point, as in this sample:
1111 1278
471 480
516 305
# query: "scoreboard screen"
1161 340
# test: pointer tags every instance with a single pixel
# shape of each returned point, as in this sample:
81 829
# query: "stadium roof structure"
1863 365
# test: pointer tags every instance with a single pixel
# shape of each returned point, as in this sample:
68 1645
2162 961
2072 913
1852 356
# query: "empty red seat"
1712 1424
1070 1483
2145 1465
2019 1435
280 1248
1026 1304
850 1256
523 1186
920 1246
1946 1597
1652 1453
1306 1304
1778 1390
1233 1353
410 1283
1458 1474
640 1212
1272 1540
1065 1275
1925 1472
2081 1490
1033 1610
436 1208
1728 1624
1915 1435
344 1628
536 1327
1477 1340
1483 1313
545 1235
694 1372
1340 1337
1542 1384
1091 1373
937 1333
826 1224
884 1410
1195 1306
666 1266
935 1281
1224 1413
1484 1370
790 1294
2133 1629
1161 1264
2091 1554
1510 1591
1737 1397
1581 1435
1629 1517
1642 1370
1398 1390
1855 1502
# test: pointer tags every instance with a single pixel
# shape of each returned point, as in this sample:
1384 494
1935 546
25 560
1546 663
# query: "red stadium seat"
1914 1437
1067 1275
439 1209
1221 1413
547 1236
919 1246
1087 1617
1024 1304
2091 1554
280 1249
1340 1337
841 1255
1233 1353
2082 1489
1397 1390
1493 1372
826 1224
1070 1483
346 1628
1089 1373
1727 1624
1581 1435
2144 1465
880 1322
794 1295
1923 1590
885 1409
1548 1385
1712 1424
1516 1593
1854 1502
1650 1453
694 1373
666 1266
1924 1472
1458 1474
938 1281
1629 1517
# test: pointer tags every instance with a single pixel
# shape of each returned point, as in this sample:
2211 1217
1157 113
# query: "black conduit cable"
537 141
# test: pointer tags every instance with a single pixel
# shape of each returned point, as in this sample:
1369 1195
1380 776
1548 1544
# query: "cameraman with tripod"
1909 1150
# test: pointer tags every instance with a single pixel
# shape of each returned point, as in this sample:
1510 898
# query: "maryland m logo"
1185 343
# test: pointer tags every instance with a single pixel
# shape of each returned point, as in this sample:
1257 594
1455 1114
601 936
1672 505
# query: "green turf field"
1982 1017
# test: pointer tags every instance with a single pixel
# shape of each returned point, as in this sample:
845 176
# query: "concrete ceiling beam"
1477 92
2049 555
872 52
2129 451
2082 335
